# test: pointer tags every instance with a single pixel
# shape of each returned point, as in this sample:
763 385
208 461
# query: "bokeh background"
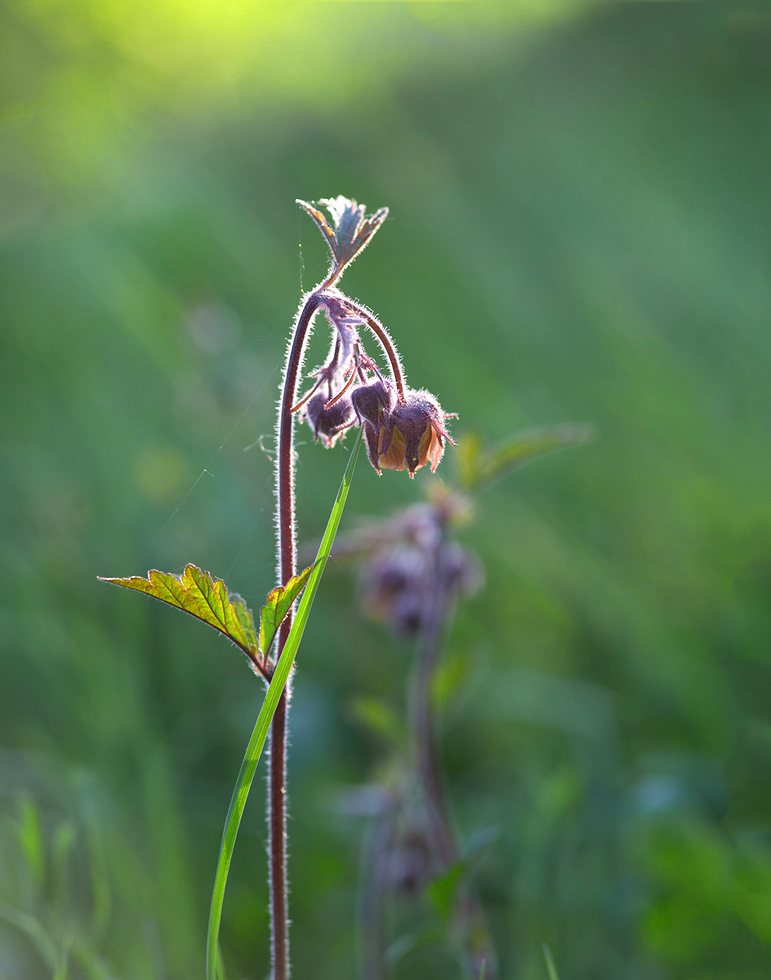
579 232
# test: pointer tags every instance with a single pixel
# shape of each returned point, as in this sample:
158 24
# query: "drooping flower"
328 423
413 434
373 404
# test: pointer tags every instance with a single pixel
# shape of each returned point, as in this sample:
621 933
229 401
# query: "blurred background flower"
578 231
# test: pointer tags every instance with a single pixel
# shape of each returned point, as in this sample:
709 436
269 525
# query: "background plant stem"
470 924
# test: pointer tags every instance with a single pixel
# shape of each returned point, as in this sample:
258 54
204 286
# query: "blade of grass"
262 726
551 969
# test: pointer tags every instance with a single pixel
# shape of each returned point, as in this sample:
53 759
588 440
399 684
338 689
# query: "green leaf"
262 725
442 890
279 602
551 969
350 230
31 840
197 593
451 676
478 466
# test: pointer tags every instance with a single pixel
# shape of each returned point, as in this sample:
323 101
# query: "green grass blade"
550 967
262 726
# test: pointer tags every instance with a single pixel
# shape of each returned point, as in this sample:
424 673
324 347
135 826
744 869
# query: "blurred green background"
579 232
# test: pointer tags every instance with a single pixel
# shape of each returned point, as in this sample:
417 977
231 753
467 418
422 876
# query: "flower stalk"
348 368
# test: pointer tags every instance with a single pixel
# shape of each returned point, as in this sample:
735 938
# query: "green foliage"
478 466
442 890
197 593
582 234
40 897
277 605
551 969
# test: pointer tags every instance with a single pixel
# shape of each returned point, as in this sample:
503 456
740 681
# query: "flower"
327 423
413 434
372 404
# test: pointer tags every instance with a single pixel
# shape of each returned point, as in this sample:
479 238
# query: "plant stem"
287 567
384 339
372 891
471 923
424 728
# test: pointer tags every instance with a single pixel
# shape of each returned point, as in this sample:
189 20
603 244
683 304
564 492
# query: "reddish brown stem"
287 567
385 341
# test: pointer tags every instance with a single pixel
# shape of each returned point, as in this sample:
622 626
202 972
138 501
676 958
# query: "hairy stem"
287 567
385 341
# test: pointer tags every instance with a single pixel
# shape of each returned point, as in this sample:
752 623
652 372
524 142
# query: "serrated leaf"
196 592
478 466
322 225
278 604
349 230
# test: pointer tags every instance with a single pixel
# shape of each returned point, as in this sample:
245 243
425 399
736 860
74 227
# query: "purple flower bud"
373 403
414 434
396 571
327 423
406 614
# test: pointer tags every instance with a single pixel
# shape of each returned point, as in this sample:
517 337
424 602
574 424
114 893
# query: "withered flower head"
328 423
413 434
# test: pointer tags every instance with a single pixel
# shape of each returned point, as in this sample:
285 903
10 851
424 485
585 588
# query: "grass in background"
591 220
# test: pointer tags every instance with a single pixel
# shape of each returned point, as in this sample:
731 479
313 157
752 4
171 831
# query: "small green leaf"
278 604
468 459
478 466
350 230
197 593
442 890
451 676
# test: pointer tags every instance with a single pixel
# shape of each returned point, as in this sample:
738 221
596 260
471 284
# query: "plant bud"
406 614
395 584
372 404
414 434
326 423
